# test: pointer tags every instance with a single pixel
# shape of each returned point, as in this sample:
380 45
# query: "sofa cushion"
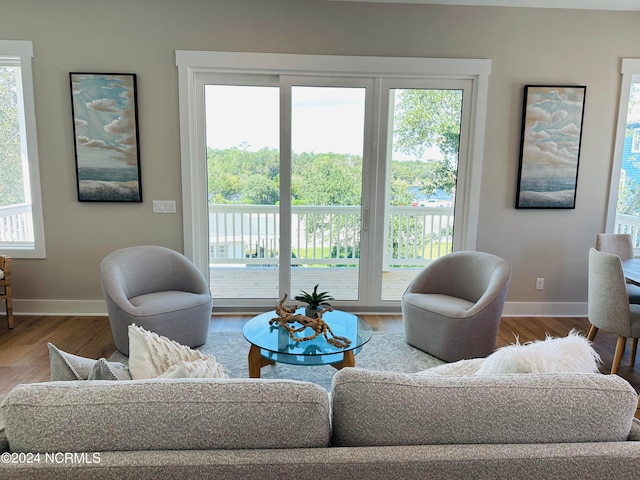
163 414
387 408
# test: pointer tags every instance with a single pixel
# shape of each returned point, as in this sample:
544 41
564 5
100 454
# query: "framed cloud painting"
105 127
550 146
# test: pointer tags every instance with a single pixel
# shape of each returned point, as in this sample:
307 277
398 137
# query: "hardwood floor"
24 355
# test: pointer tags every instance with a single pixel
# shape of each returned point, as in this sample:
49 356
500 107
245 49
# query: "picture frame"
550 141
106 138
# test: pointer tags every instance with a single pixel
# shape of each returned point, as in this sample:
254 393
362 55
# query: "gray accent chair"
609 307
159 290
620 244
452 309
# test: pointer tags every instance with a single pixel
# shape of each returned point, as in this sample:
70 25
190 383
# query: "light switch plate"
164 206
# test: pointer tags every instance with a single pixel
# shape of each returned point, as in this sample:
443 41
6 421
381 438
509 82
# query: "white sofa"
373 425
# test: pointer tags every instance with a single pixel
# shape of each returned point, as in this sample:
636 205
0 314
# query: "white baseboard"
99 307
60 307
541 309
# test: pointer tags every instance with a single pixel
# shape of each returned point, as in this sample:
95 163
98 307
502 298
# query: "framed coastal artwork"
550 146
105 128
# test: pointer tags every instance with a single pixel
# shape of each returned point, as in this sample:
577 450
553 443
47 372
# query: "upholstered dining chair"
5 287
609 307
620 244
453 307
159 290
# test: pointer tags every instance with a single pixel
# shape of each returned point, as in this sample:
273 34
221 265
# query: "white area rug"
385 351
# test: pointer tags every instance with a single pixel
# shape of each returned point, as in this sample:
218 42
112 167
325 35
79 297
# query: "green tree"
11 181
428 118
259 190
330 179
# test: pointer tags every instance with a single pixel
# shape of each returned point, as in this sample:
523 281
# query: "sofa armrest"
634 433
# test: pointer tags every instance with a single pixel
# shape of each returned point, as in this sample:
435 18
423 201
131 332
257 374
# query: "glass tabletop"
276 344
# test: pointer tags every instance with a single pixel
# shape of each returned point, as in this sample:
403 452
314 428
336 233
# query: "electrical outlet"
539 283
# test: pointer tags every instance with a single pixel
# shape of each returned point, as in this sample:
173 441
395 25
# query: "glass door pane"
422 171
243 169
16 218
628 204
327 128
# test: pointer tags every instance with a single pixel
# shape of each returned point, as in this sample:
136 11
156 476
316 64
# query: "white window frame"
630 71
20 53
192 64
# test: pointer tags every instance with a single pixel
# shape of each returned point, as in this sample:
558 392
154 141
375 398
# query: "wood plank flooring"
24 355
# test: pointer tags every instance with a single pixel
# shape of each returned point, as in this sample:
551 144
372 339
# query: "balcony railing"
16 223
249 234
320 235
628 224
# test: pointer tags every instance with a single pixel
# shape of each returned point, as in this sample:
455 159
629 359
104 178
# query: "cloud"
95 143
103 105
570 129
118 126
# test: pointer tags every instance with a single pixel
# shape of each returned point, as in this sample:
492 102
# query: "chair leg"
9 308
617 357
632 352
591 334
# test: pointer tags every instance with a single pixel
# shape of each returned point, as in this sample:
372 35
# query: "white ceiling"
631 5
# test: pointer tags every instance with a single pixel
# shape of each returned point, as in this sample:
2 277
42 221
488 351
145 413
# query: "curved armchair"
620 244
609 307
159 290
452 309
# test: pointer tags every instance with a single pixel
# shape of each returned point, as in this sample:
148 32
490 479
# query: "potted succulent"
315 301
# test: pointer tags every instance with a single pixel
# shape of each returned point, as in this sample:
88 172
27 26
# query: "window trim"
22 51
193 63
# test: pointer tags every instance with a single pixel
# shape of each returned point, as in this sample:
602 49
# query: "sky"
324 119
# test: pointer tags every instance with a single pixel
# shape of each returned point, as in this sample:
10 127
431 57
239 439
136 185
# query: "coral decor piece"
287 316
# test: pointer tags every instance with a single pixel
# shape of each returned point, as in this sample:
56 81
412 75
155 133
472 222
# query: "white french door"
285 172
296 180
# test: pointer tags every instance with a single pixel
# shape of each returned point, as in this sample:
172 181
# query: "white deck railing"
16 223
628 224
249 234
321 235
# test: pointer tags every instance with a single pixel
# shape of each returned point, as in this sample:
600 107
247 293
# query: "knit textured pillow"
151 355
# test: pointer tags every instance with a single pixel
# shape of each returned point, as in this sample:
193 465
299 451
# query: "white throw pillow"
461 368
151 355
194 369
572 353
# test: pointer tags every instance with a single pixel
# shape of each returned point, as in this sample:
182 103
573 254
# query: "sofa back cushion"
182 414
385 408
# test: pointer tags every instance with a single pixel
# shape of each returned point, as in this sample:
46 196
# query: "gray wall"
526 46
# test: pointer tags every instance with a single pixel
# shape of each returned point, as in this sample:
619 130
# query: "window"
334 122
21 226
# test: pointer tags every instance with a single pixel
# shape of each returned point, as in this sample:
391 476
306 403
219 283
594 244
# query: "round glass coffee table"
272 343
